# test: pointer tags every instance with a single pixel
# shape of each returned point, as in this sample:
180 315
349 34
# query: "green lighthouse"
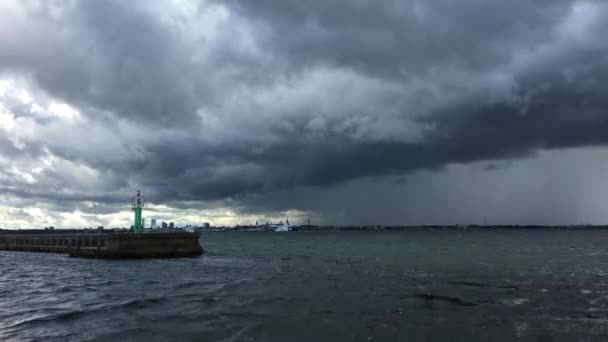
137 205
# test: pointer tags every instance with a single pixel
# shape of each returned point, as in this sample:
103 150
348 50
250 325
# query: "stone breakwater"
106 245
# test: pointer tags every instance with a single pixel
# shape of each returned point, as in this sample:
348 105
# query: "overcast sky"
344 112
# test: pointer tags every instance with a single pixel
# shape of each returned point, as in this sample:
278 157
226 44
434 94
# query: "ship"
282 227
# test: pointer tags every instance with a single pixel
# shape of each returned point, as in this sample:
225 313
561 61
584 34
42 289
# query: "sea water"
435 285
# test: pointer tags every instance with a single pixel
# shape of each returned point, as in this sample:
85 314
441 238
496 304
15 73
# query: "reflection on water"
332 286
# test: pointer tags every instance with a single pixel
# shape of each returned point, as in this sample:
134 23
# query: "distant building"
153 223
171 226
164 225
206 225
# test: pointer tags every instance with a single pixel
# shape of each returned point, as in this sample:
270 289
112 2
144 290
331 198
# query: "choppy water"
321 286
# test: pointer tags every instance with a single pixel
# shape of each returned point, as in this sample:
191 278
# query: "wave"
43 318
474 284
141 302
445 299
194 284
62 315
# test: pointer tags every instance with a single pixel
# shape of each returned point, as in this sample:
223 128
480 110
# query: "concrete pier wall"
106 245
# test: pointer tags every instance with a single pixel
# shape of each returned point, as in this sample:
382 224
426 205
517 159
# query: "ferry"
281 227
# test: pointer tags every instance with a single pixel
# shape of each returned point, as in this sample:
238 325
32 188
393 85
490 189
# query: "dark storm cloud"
398 38
40 194
289 94
105 54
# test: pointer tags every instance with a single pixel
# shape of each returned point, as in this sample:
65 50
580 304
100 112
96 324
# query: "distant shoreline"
322 228
416 228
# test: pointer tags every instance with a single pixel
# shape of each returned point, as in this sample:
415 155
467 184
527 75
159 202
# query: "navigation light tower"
137 205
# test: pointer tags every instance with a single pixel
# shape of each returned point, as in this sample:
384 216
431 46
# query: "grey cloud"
108 55
400 38
20 214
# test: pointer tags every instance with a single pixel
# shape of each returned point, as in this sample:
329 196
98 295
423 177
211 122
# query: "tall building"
164 225
206 225
153 223
171 226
